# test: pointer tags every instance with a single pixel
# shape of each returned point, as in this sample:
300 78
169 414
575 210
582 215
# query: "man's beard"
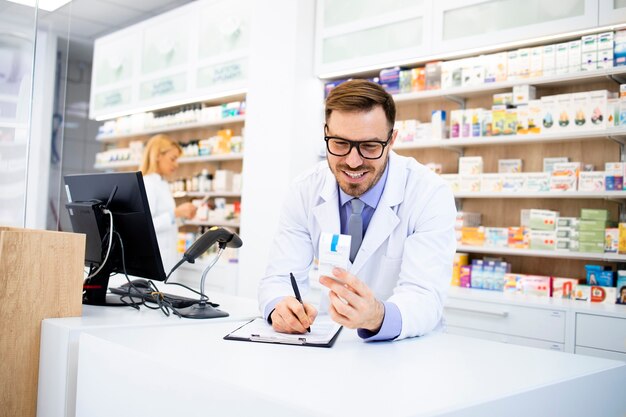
356 190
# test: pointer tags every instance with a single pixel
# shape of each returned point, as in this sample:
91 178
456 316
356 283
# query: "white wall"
284 124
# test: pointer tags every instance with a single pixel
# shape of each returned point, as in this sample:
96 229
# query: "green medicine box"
591 247
591 236
587 224
594 214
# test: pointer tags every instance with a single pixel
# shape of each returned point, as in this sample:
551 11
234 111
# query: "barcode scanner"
224 237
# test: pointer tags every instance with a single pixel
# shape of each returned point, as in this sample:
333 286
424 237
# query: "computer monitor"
124 195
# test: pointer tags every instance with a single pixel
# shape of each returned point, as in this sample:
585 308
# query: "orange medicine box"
519 237
621 244
473 236
460 259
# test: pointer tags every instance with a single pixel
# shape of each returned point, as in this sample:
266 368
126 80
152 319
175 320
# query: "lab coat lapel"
384 220
327 212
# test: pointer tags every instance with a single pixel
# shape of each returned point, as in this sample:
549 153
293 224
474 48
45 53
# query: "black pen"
296 292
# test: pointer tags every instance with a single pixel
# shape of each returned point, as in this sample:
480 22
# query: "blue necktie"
355 227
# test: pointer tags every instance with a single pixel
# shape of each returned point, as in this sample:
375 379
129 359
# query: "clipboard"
324 332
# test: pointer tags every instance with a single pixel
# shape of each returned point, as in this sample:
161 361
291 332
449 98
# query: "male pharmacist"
402 213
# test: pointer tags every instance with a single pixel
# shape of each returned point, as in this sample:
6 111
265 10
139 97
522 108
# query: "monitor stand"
202 310
95 290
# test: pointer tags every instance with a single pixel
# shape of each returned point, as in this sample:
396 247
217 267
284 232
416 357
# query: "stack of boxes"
593 223
519 237
470 170
564 176
542 224
567 233
597 51
467 223
546 230
614 176
600 285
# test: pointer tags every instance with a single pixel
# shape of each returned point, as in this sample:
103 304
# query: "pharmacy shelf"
603 195
12 124
220 223
591 256
233 156
6 98
617 133
8 145
553 80
209 194
164 129
524 300
117 164
13 168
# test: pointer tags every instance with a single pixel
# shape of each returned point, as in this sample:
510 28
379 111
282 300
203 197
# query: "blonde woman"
160 159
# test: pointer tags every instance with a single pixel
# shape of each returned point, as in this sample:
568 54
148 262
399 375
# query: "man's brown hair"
360 96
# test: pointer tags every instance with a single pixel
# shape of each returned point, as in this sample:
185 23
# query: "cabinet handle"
479 311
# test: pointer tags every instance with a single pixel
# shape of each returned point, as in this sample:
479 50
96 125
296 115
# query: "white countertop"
439 374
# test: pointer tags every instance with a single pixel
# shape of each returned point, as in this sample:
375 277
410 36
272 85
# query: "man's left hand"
352 303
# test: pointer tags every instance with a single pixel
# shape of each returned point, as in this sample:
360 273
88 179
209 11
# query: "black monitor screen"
131 219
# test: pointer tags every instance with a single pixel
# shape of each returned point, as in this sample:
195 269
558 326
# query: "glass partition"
17 47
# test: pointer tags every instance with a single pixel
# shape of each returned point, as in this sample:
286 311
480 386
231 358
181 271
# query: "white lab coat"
162 208
407 252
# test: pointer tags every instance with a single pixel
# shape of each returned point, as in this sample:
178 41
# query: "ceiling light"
47 5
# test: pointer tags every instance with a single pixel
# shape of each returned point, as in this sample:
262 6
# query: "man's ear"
393 137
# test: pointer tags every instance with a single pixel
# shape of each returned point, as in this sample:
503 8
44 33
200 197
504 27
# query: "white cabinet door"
353 35
505 338
607 354
165 44
114 59
472 24
223 45
224 30
115 66
601 332
167 55
612 12
535 323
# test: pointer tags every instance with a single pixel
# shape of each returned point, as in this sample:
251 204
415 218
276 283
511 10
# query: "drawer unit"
601 332
606 354
504 338
536 323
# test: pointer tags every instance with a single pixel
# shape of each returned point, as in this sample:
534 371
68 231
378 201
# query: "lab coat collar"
384 219
327 211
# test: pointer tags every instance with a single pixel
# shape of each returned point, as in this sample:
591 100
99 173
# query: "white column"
284 124
41 130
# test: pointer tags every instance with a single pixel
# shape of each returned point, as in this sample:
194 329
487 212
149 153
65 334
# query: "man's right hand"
290 316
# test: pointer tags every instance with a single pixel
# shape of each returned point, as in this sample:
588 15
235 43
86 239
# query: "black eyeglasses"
368 149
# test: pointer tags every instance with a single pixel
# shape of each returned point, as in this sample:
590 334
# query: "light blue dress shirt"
392 321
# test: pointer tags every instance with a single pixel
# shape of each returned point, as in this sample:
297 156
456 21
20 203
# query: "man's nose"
353 159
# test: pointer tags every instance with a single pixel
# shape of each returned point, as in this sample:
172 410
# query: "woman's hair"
157 145
360 96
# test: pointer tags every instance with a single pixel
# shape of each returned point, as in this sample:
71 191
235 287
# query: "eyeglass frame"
357 144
